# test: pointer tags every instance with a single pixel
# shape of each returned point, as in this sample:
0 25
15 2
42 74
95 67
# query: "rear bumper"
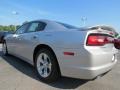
91 73
86 65
88 72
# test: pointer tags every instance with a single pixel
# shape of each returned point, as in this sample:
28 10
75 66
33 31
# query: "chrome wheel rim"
44 65
4 48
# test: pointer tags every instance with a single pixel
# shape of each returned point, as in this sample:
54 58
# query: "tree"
9 27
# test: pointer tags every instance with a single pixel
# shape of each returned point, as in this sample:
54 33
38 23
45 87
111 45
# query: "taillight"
99 40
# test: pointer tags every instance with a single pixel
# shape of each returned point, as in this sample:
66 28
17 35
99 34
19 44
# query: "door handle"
34 37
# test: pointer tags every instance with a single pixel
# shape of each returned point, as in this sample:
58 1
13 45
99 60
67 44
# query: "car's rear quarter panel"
87 59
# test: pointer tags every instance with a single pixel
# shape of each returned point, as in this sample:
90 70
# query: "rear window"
68 26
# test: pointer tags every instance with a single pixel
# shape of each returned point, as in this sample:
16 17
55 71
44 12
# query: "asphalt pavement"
16 74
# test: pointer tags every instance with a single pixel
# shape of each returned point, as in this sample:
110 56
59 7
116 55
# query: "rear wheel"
4 48
46 66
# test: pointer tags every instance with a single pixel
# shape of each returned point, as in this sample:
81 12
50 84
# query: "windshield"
68 26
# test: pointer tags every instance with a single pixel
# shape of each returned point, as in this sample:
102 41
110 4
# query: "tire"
2 39
46 66
4 48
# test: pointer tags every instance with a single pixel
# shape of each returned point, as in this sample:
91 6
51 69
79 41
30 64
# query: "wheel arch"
41 46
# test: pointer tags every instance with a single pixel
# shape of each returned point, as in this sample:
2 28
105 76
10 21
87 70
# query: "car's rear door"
14 39
29 39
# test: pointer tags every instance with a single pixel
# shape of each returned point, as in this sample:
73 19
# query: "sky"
94 12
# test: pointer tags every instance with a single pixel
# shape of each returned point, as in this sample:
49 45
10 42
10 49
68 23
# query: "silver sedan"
57 49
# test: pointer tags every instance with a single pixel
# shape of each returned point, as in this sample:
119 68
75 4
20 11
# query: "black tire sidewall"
54 75
4 43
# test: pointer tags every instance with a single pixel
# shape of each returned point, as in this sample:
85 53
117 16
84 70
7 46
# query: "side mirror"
117 43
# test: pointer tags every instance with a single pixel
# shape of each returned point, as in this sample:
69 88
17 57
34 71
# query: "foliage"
9 27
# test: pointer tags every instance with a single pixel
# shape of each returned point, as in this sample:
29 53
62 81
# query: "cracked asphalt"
16 74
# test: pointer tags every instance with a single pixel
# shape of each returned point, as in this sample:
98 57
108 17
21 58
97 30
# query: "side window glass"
41 26
33 27
22 29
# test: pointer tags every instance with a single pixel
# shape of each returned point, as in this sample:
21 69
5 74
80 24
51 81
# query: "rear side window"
67 26
41 26
36 26
33 27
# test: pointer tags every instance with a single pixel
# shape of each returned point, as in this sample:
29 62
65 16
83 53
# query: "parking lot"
18 75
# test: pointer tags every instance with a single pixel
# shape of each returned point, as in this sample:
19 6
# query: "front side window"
22 29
